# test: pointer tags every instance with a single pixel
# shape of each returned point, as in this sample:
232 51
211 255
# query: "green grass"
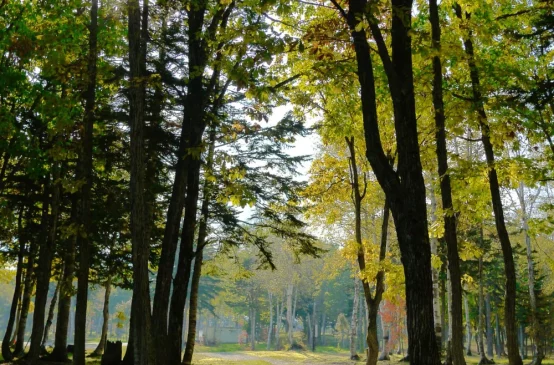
224 347
324 355
330 350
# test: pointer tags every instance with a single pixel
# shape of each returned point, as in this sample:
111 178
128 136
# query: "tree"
509 267
140 312
455 283
410 215
84 172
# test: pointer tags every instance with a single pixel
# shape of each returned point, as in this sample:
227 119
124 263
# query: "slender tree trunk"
26 299
481 326
193 309
499 349
142 350
253 329
536 325
50 317
374 301
129 358
450 236
509 266
6 351
290 319
46 253
105 318
59 353
14 336
468 326
490 352
354 322
84 172
435 271
405 187
270 328
202 235
279 314
168 335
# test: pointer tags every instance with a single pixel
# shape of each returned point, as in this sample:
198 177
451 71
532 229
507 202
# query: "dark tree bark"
26 299
202 234
450 236
195 122
50 317
404 188
105 319
59 353
47 237
141 335
170 237
12 341
129 357
507 252
84 173
6 350
169 339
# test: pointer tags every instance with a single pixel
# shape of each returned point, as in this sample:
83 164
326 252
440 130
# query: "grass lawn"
223 354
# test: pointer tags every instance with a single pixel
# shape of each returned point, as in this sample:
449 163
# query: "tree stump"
112 353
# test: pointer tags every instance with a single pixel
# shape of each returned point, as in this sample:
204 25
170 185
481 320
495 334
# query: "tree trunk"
509 266
6 351
314 316
99 351
385 336
84 172
468 326
252 329
490 352
46 253
195 285
450 236
29 284
270 328
50 317
278 313
538 354
435 271
14 336
59 353
290 319
481 327
142 354
129 358
168 337
171 232
499 347
404 188
354 322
